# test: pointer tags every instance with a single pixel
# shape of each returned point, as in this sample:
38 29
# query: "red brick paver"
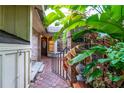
47 79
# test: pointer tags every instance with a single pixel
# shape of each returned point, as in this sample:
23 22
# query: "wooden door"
44 46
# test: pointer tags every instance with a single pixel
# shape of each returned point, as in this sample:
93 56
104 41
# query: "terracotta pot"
122 71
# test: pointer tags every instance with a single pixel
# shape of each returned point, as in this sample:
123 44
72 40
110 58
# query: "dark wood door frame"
43 46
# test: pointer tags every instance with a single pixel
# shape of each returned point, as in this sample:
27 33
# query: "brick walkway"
47 79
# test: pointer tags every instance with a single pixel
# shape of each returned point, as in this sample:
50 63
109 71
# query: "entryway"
47 79
44 46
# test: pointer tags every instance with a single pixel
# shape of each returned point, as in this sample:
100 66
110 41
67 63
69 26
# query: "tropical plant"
114 60
105 19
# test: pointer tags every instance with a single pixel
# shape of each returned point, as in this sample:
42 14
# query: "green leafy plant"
108 20
96 73
115 60
86 53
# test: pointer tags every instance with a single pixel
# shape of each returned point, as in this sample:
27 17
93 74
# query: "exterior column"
55 47
39 47
69 41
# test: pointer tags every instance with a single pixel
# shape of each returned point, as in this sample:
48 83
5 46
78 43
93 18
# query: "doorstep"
37 67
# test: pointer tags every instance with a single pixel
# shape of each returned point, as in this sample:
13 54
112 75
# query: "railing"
57 64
